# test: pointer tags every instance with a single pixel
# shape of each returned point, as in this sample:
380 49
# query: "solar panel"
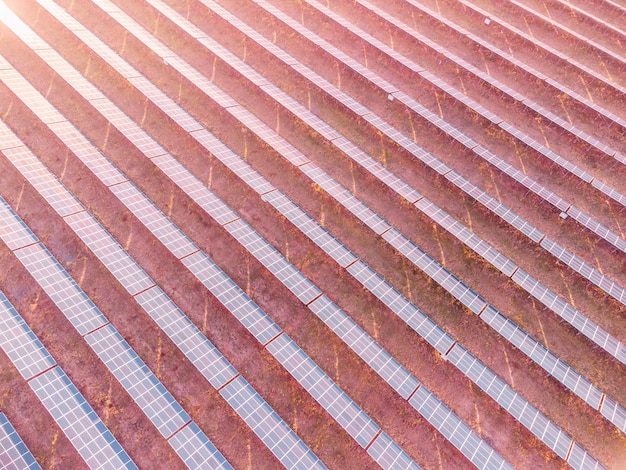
62 289
372 353
109 252
198 349
461 435
13 230
232 297
78 421
142 385
20 344
557 368
196 190
44 182
570 314
149 214
88 154
266 424
13 451
195 449
389 455
321 387
310 228
614 412
293 279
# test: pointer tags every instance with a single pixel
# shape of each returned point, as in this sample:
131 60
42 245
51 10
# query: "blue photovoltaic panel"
109 252
13 452
162 227
388 454
232 297
19 342
79 422
275 262
13 230
322 388
43 181
360 342
62 289
198 349
8 139
266 424
147 391
196 450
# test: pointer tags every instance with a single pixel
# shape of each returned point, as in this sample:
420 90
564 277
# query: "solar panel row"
492 255
597 228
151 396
489 79
250 121
269 256
570 314
87 433
13 452
470 103
472 301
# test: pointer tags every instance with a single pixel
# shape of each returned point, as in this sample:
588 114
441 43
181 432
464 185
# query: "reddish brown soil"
584 23
118 411
299 409
316 428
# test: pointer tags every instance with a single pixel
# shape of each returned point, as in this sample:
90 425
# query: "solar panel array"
284 271
261 250
112 348
508 215
447 280
470 103
495 258
147 391
505 89
78 421
383 444
162 409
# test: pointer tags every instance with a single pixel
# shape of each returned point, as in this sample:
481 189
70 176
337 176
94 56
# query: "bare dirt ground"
117 410
316 428
298 409
582 242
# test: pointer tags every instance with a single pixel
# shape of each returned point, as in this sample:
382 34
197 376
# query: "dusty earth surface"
325 437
